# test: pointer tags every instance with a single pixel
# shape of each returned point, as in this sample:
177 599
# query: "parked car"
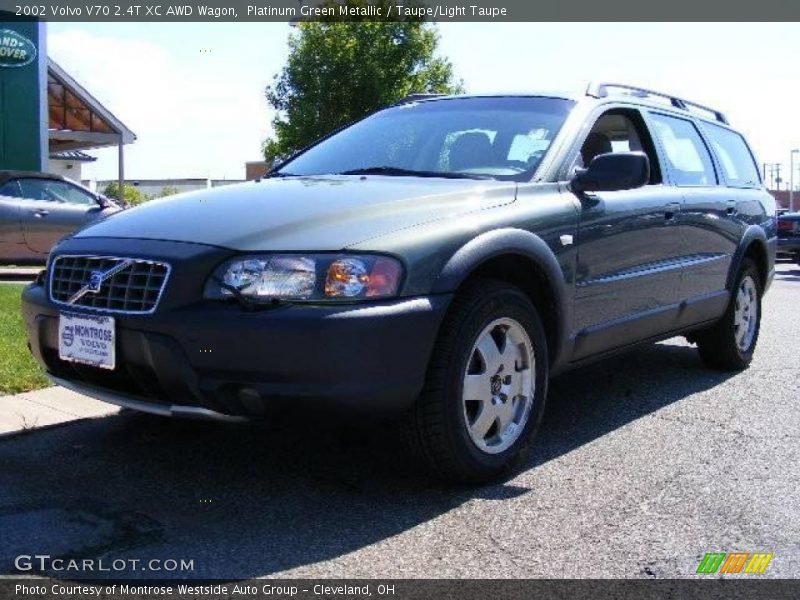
38 209
789 235
440 259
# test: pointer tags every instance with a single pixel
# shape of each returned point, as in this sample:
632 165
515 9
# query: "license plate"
86 339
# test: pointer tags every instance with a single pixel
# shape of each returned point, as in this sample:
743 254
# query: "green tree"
339 71
131 195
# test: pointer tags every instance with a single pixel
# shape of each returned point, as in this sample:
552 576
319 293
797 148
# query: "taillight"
784 225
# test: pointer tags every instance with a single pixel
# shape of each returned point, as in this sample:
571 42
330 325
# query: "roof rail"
416 97
601 90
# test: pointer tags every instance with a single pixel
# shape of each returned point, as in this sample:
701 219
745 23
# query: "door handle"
731 207
670 210
40 213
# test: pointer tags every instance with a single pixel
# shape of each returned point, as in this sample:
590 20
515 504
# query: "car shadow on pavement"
244 501
586 404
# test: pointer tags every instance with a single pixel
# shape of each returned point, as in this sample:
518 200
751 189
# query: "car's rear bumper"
789 244
215 359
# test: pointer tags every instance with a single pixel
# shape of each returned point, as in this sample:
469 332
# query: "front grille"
135 287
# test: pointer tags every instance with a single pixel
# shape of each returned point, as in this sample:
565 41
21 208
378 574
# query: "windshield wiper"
398 171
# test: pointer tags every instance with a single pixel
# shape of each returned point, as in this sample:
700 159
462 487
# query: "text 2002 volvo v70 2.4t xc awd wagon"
439 259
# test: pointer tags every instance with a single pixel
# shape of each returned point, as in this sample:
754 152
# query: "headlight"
273 277
306 277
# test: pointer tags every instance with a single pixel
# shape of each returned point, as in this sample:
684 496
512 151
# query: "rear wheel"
486 385
729 344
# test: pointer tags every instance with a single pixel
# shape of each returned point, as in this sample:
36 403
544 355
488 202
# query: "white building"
69 164
155 188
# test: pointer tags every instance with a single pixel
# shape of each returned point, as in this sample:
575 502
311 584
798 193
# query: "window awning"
72 155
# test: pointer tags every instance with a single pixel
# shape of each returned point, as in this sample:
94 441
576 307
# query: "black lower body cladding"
370 358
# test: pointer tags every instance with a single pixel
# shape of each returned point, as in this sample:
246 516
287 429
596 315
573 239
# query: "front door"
12 244
627 284
51 209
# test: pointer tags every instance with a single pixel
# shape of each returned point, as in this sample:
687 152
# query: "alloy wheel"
745 316
499 386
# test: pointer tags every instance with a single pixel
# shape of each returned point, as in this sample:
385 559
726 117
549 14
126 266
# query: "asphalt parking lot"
644 463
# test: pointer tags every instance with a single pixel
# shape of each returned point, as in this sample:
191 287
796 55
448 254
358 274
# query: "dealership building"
47 119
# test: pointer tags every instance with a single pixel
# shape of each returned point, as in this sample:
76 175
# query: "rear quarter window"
10 188
734 156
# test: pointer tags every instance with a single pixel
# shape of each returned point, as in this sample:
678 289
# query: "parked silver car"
38 209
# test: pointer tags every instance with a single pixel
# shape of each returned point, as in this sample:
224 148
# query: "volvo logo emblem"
95 281
68 336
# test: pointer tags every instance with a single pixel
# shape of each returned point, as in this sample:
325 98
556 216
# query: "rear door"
743 190
711 234
51 209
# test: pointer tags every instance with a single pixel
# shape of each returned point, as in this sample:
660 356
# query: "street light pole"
791 178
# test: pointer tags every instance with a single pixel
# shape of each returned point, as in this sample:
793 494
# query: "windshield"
501 138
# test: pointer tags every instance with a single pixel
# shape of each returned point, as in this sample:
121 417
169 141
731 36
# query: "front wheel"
486 385
730 343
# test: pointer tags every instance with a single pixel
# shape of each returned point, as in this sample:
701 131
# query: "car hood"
302 213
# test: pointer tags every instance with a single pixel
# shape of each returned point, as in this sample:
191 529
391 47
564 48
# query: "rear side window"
735 157
10 188
686 154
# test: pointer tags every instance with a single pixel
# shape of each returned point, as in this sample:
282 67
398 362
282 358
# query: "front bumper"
214 359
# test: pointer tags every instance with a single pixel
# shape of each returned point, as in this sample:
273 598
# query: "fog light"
251 401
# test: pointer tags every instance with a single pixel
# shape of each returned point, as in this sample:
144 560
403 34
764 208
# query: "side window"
734 156
10 188
53 190
33 189
686 153
71 194
620 130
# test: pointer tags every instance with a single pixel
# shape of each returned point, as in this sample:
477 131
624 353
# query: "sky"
194 93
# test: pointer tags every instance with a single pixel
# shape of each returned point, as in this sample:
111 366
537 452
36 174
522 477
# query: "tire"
440 421
725 346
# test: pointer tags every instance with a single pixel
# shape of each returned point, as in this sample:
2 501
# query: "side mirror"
613 172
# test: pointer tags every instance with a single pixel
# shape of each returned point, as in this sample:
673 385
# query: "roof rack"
601 90
417 97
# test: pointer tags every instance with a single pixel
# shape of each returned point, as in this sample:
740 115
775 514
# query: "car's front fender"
513 242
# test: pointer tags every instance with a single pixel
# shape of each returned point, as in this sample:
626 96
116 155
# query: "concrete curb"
50 407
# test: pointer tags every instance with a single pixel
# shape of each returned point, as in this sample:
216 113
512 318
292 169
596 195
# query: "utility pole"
791 178
778 176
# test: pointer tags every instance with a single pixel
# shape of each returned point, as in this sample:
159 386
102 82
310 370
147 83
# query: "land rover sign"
15 50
